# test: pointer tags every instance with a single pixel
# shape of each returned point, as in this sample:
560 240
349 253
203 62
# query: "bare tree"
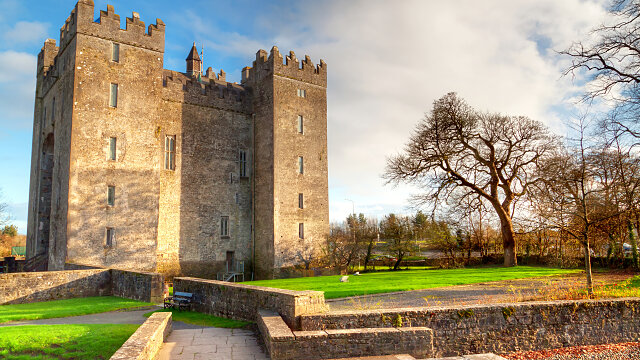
612 58
456 150
571 196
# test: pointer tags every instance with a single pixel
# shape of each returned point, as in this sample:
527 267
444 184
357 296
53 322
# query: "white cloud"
26 32
17 88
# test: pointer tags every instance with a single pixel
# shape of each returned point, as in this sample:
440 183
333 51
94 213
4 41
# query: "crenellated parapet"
209 92
47 56
288 66
107 27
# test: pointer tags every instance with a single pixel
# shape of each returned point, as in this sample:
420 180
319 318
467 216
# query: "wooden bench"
179 300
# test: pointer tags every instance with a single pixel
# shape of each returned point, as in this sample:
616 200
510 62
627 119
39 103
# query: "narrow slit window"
53 109
300 165
112 148
300 124
301 201
110 237
301 230
170 152
111 195
224 226
113 96
242 159
115 52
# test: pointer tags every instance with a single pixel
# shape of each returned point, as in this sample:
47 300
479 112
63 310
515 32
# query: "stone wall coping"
145 343
276 328
474 306
294 293
50 273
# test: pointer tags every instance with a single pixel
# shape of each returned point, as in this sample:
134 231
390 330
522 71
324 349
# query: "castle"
138 167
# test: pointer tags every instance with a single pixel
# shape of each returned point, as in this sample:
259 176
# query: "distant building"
138 167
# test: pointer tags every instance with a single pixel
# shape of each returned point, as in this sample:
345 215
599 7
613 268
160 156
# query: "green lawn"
64 308
196 318
389 281
95 341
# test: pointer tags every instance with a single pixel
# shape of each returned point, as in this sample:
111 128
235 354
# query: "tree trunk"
587 265
632 240
396 266
509 242
367 258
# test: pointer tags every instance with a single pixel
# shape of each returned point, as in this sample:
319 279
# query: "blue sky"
387 62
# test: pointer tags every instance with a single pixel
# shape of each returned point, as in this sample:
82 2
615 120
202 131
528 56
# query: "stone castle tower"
138 167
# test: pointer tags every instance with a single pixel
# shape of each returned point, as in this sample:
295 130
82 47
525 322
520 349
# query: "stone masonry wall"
239 301
502 328
140 286
26 287
282 343
146 342
20 288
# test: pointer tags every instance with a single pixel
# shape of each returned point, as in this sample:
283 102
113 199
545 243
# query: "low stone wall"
19 288
145 343
284 344
142 286
240 301
25 287
502 328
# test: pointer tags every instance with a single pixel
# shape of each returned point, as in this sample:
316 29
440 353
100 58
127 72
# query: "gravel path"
621 351
483 293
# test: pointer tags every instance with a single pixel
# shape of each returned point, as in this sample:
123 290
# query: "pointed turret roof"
193 54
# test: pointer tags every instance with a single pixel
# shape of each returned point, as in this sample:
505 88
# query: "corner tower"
291 213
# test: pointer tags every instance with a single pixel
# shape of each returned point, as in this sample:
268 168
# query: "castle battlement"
288 66
210 92
107 27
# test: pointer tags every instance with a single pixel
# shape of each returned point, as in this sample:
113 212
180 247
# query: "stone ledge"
283 344
145 343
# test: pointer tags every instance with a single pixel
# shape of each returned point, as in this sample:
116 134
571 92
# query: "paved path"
112 317
212 343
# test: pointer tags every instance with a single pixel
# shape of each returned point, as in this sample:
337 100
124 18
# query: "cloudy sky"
387 62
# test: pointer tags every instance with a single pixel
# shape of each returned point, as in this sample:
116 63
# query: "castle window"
300 124
242 159
53 109
237 198
110 239
112 148
170 152
301 230
301 201
224 226
113 96
111 195
302 93
300 165
115 52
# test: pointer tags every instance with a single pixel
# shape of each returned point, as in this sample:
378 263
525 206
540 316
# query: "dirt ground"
482 293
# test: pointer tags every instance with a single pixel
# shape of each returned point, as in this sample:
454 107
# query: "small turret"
194 63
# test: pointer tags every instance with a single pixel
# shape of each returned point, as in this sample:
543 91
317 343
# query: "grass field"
95 341
389 281
197 318
64 308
